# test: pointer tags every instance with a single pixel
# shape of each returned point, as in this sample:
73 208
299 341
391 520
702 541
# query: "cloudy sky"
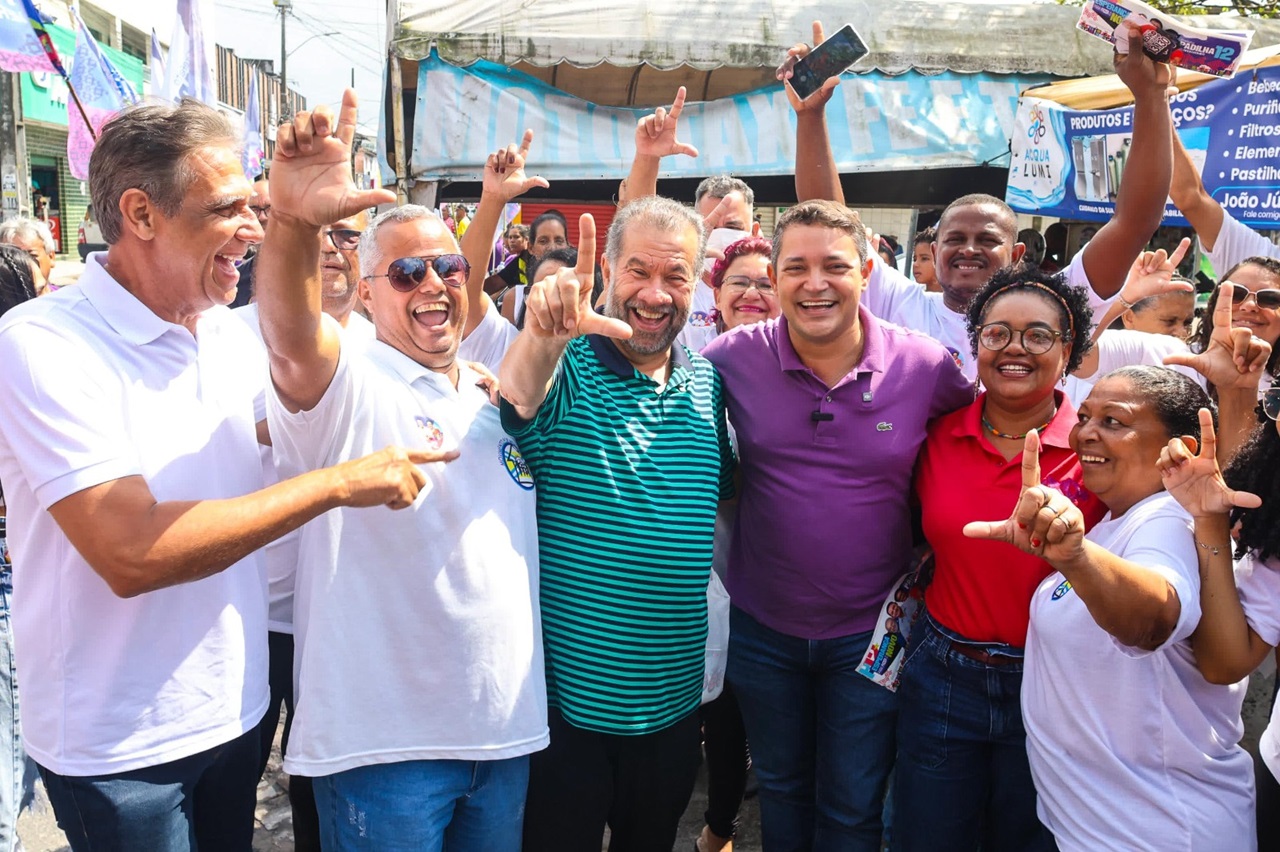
327 40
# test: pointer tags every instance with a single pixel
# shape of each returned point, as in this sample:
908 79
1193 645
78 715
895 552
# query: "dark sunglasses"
406 274
1269 298
345 239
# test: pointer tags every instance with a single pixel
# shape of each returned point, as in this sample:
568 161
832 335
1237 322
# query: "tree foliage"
1248 8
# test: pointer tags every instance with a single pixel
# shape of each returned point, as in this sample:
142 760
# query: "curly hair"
1072 304
1256 468
927 236
744 246
1204 329
17 281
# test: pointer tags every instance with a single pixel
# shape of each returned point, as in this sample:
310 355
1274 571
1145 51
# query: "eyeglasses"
345 239
261 210
1269 298
998 335
1271 403
742 283
407 273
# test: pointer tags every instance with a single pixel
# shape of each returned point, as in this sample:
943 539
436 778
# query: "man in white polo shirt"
135 500
418 645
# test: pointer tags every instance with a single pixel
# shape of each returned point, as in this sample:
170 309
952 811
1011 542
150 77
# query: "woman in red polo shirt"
962 778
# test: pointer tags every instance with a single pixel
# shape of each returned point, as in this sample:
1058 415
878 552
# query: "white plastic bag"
717 639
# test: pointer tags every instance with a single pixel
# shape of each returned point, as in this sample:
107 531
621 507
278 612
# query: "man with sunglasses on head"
418 651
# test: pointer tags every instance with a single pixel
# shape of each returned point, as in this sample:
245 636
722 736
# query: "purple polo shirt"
824 525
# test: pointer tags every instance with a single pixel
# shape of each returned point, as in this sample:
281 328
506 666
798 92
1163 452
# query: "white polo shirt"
417 632
893 297
1133 749
97 388
280 557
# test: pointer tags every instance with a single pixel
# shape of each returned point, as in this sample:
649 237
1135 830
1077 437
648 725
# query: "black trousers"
302 801
725 738
639 786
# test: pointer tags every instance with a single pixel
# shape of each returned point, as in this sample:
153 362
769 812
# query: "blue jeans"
17 771
821 735
962 780
424 806
205 801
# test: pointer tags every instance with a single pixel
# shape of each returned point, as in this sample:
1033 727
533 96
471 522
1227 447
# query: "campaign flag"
24 44
159 83
103 91
188 71
253 155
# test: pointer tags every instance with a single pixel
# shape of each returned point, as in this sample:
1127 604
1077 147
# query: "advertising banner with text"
1069 164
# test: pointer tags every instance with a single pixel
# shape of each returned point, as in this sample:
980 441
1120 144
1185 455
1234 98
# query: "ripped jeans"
424 806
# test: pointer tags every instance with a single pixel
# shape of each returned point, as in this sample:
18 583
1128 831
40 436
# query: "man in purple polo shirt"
830 405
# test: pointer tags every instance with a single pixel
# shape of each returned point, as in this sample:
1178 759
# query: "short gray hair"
720 186
660 213
370 254
148 147
14 229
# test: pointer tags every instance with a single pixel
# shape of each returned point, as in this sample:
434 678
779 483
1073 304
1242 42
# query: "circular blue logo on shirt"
517 468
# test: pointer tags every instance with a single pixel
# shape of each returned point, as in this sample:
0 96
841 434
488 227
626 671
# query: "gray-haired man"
34 237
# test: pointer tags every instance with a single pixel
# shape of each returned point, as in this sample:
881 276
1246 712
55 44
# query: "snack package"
1165 39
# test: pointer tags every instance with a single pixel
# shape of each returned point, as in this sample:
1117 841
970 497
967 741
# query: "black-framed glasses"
1268 298
261 210
1271 402
407 273
1035 340
743 283
346 239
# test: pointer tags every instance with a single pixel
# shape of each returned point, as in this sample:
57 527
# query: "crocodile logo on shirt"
517 468
431 432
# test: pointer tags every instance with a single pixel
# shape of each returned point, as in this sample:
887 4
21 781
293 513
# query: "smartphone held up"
834 56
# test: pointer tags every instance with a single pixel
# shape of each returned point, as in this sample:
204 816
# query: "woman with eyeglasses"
1130 746
962 781
1255 305
743 284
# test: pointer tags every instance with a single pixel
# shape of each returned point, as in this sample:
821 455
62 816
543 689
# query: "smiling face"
1014 377
202 243
1118 437
1263 322
426 323
651 286
820 281
973 242
743 307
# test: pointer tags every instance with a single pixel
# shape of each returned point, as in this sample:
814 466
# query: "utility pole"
284 6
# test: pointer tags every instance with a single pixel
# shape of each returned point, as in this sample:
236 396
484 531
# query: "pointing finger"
1180 252
818 37
1208 437
347 114
1222 307
430 456
525 143
586 268
677 106
1031 460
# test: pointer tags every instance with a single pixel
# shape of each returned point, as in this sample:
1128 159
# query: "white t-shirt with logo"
1133 749
96 388
281 556
417 632
700 328
893 297
1258 582
489 341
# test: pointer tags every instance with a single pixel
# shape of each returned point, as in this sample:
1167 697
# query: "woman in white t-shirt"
1130 746
1255 305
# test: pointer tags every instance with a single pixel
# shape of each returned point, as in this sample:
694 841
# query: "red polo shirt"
982 589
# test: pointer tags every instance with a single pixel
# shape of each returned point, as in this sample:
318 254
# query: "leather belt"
982 656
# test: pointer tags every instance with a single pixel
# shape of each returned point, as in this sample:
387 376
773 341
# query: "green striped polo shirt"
628 479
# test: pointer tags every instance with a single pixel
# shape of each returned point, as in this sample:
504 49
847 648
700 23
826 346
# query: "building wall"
46 143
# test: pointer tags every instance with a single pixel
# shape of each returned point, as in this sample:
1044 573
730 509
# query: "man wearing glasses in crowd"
417 637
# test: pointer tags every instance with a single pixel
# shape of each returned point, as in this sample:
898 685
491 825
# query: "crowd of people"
469 531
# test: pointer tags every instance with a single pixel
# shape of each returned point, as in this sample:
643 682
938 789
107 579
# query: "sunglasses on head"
345 239
1269 298
407 273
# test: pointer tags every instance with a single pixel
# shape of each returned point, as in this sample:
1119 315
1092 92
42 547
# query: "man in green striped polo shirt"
625 435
